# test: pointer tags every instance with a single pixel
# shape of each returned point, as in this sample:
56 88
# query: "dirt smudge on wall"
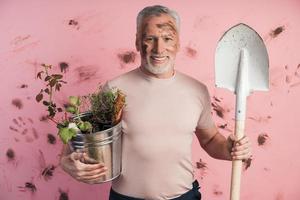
28 186
217 191
51 138
63 67
127 57
262 138
190 52
247 163
48 171
17 103
274 33
13 129
43 118
201 165
86 73
23 86
74 23
63 195
10 154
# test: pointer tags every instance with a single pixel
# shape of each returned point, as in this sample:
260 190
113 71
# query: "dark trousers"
192 194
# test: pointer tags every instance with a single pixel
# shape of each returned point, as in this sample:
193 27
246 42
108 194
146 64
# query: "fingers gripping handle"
237 165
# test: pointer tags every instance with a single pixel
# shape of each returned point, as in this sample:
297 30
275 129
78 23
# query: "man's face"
158 43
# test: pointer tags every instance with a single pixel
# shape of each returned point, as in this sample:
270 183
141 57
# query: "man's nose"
159 46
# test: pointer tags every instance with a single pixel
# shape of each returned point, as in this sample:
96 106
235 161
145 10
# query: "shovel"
242 66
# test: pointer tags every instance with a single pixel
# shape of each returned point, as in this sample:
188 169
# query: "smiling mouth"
158 59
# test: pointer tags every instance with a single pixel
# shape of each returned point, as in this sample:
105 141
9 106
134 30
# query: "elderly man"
164 109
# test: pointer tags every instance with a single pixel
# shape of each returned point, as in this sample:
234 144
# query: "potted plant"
91 123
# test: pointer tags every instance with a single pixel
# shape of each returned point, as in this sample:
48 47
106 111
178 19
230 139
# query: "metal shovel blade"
241 44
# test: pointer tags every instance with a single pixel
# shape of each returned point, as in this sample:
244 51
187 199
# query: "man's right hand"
75 165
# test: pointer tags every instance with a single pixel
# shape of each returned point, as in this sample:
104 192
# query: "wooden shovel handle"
236 170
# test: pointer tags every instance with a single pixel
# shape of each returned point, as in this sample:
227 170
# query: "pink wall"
35 32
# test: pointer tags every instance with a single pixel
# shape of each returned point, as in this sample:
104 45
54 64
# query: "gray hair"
156 10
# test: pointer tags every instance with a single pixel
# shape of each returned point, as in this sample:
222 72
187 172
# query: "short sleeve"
205 120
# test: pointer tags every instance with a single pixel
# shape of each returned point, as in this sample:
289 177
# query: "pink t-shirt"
158 122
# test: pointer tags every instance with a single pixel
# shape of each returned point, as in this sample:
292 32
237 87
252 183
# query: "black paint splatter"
29 186
74 23
13 129
218 109
262 138
10 154
201 165
274 33
51 138
18 103
63 67
127 57
47 173
44 118
24 86
190 52
63 195
247 163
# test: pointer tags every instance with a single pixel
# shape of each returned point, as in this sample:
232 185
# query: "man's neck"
165 75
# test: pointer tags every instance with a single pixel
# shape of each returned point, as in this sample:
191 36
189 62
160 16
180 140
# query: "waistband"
189 195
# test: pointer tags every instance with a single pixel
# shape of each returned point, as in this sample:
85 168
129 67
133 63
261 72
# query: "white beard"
158 69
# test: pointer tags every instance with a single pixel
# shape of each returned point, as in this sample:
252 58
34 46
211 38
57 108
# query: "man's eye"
168 39
149 39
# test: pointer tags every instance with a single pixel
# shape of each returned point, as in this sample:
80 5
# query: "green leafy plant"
53 83
104 106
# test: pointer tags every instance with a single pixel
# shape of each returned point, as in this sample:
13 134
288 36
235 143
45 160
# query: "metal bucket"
103 147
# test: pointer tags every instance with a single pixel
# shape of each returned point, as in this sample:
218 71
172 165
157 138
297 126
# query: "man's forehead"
161 21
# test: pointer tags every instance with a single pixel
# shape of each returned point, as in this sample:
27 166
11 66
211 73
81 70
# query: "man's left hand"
239 149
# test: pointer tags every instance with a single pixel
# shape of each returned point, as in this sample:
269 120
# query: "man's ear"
137 42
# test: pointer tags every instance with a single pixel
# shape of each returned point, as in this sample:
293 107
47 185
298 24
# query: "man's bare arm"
217 146
214 143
